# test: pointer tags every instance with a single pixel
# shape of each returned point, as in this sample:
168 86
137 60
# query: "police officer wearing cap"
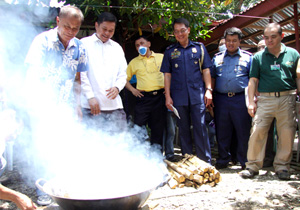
230 77
187 89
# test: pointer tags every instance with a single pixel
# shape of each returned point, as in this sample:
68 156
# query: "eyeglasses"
182 31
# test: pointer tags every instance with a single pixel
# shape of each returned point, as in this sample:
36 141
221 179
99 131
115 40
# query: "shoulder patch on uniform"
198 43
246 52
218 53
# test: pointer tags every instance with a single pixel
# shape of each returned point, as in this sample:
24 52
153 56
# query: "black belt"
231 94
153 93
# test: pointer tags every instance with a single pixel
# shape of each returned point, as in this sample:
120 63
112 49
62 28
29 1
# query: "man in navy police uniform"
230 76
187 89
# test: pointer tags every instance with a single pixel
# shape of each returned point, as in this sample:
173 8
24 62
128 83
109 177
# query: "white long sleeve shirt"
107 68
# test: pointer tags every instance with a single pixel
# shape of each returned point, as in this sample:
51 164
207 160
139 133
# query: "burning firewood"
192 172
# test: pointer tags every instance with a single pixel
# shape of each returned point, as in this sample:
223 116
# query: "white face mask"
142 50
222 48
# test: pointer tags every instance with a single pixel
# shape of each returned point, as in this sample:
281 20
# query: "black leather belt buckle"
230 94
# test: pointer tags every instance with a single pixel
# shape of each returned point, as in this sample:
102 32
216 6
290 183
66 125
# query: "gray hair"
71 11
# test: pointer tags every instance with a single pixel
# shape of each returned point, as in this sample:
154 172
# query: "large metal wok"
130 202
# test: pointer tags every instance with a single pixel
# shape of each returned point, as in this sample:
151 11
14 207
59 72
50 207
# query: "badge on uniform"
221 62
275 67
289 63
175 54
194 50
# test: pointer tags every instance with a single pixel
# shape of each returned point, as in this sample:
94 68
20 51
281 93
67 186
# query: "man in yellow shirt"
150 104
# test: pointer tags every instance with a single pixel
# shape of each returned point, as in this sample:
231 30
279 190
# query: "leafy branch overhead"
156 16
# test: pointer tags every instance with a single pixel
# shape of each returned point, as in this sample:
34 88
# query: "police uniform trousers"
151 109
195 115
231 115
269 107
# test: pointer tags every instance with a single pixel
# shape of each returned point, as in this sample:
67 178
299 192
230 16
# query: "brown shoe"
248 173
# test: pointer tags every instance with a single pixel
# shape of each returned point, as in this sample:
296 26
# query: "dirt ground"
265 191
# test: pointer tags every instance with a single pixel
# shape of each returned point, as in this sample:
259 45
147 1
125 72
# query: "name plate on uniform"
275 67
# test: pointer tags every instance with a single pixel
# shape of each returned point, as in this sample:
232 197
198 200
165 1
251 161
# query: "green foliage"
158 15
231 6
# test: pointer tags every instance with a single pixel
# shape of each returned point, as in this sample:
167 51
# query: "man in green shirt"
275 70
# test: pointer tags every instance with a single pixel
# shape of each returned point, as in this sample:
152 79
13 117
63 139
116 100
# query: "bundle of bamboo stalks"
192 172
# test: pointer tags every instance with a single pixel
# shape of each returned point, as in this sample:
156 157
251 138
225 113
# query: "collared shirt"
231 72
147 71
275 74
107 69
183 63
49 61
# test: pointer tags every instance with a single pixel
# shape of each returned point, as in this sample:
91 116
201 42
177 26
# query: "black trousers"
151 110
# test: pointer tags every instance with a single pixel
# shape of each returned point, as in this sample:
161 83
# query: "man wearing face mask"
150 104
222 46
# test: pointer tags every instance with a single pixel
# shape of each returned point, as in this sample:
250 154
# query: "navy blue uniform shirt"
186 81
231 72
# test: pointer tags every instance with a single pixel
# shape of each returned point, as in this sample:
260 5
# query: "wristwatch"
211 90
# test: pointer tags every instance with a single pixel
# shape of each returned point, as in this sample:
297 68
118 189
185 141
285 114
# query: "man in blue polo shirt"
230 74
185 89
55 59
275 70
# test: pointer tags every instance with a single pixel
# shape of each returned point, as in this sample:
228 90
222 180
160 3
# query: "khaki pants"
268 107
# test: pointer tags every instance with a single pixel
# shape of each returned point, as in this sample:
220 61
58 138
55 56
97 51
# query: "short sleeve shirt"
48 58
275 74
147 71
231 72
187 85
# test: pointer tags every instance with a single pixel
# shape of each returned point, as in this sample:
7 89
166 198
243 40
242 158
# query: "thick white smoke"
84 162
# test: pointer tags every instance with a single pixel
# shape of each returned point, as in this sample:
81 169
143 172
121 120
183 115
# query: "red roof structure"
253 20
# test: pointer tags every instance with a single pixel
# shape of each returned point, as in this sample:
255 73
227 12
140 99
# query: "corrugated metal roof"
253 32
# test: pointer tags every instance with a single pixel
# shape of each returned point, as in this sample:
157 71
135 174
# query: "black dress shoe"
172 159
220 166
234 162
248 173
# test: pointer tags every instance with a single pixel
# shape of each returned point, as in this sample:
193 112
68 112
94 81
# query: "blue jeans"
169 135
